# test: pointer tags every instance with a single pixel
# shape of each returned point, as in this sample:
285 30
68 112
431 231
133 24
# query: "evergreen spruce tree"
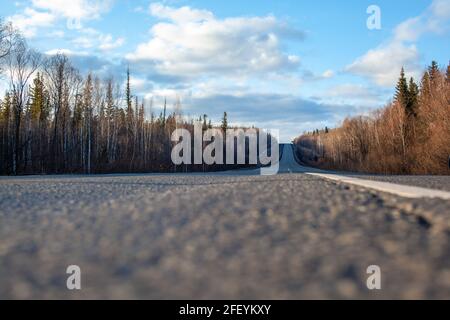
224 125
128 97
109 101
129 118
401 90
425 86
164 113
38 99
413 97
5 110
205 124
433 70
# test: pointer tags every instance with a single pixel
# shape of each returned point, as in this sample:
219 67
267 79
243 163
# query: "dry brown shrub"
388 141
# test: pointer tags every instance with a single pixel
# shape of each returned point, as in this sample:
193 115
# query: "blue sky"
291 65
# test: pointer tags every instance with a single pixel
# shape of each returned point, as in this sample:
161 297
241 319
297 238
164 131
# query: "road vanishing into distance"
301 234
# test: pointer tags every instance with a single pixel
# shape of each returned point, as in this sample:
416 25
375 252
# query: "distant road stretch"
300 234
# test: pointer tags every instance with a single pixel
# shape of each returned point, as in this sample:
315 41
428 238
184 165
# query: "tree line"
55 120
411 135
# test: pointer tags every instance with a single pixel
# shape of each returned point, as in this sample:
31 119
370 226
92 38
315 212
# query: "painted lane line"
392 188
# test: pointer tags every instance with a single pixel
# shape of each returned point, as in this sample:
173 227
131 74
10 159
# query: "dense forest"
55 120
411 135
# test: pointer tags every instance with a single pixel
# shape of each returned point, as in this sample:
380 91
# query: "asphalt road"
234 235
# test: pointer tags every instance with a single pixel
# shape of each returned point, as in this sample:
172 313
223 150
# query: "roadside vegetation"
411 135
54 120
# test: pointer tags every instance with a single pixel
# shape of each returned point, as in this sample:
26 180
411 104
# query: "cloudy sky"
291 65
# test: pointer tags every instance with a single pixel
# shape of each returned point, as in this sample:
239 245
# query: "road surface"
233 235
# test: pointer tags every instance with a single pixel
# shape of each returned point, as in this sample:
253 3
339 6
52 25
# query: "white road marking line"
392 188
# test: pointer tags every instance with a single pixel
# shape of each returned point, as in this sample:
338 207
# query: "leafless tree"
22 63
53 120
63 82
7 38
391 141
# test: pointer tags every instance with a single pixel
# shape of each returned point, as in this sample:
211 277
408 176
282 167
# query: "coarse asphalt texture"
231 235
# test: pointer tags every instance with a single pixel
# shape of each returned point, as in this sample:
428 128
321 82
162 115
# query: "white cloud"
83 42
66 52
28 21
56 34
263 110
45 14
86 61
107 42
348 90
409 30
328 74
181 15
75 9
139 84
354 94
382 64
441 9
91 38
434 20
195 42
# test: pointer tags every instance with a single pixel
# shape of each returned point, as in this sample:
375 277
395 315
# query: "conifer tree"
5 107
5 122
38 99
401 90
413 95
109 100
224 125
205 124
433 70
129 103
164 112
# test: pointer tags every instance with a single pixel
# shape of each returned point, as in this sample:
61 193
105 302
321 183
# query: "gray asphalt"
234 235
